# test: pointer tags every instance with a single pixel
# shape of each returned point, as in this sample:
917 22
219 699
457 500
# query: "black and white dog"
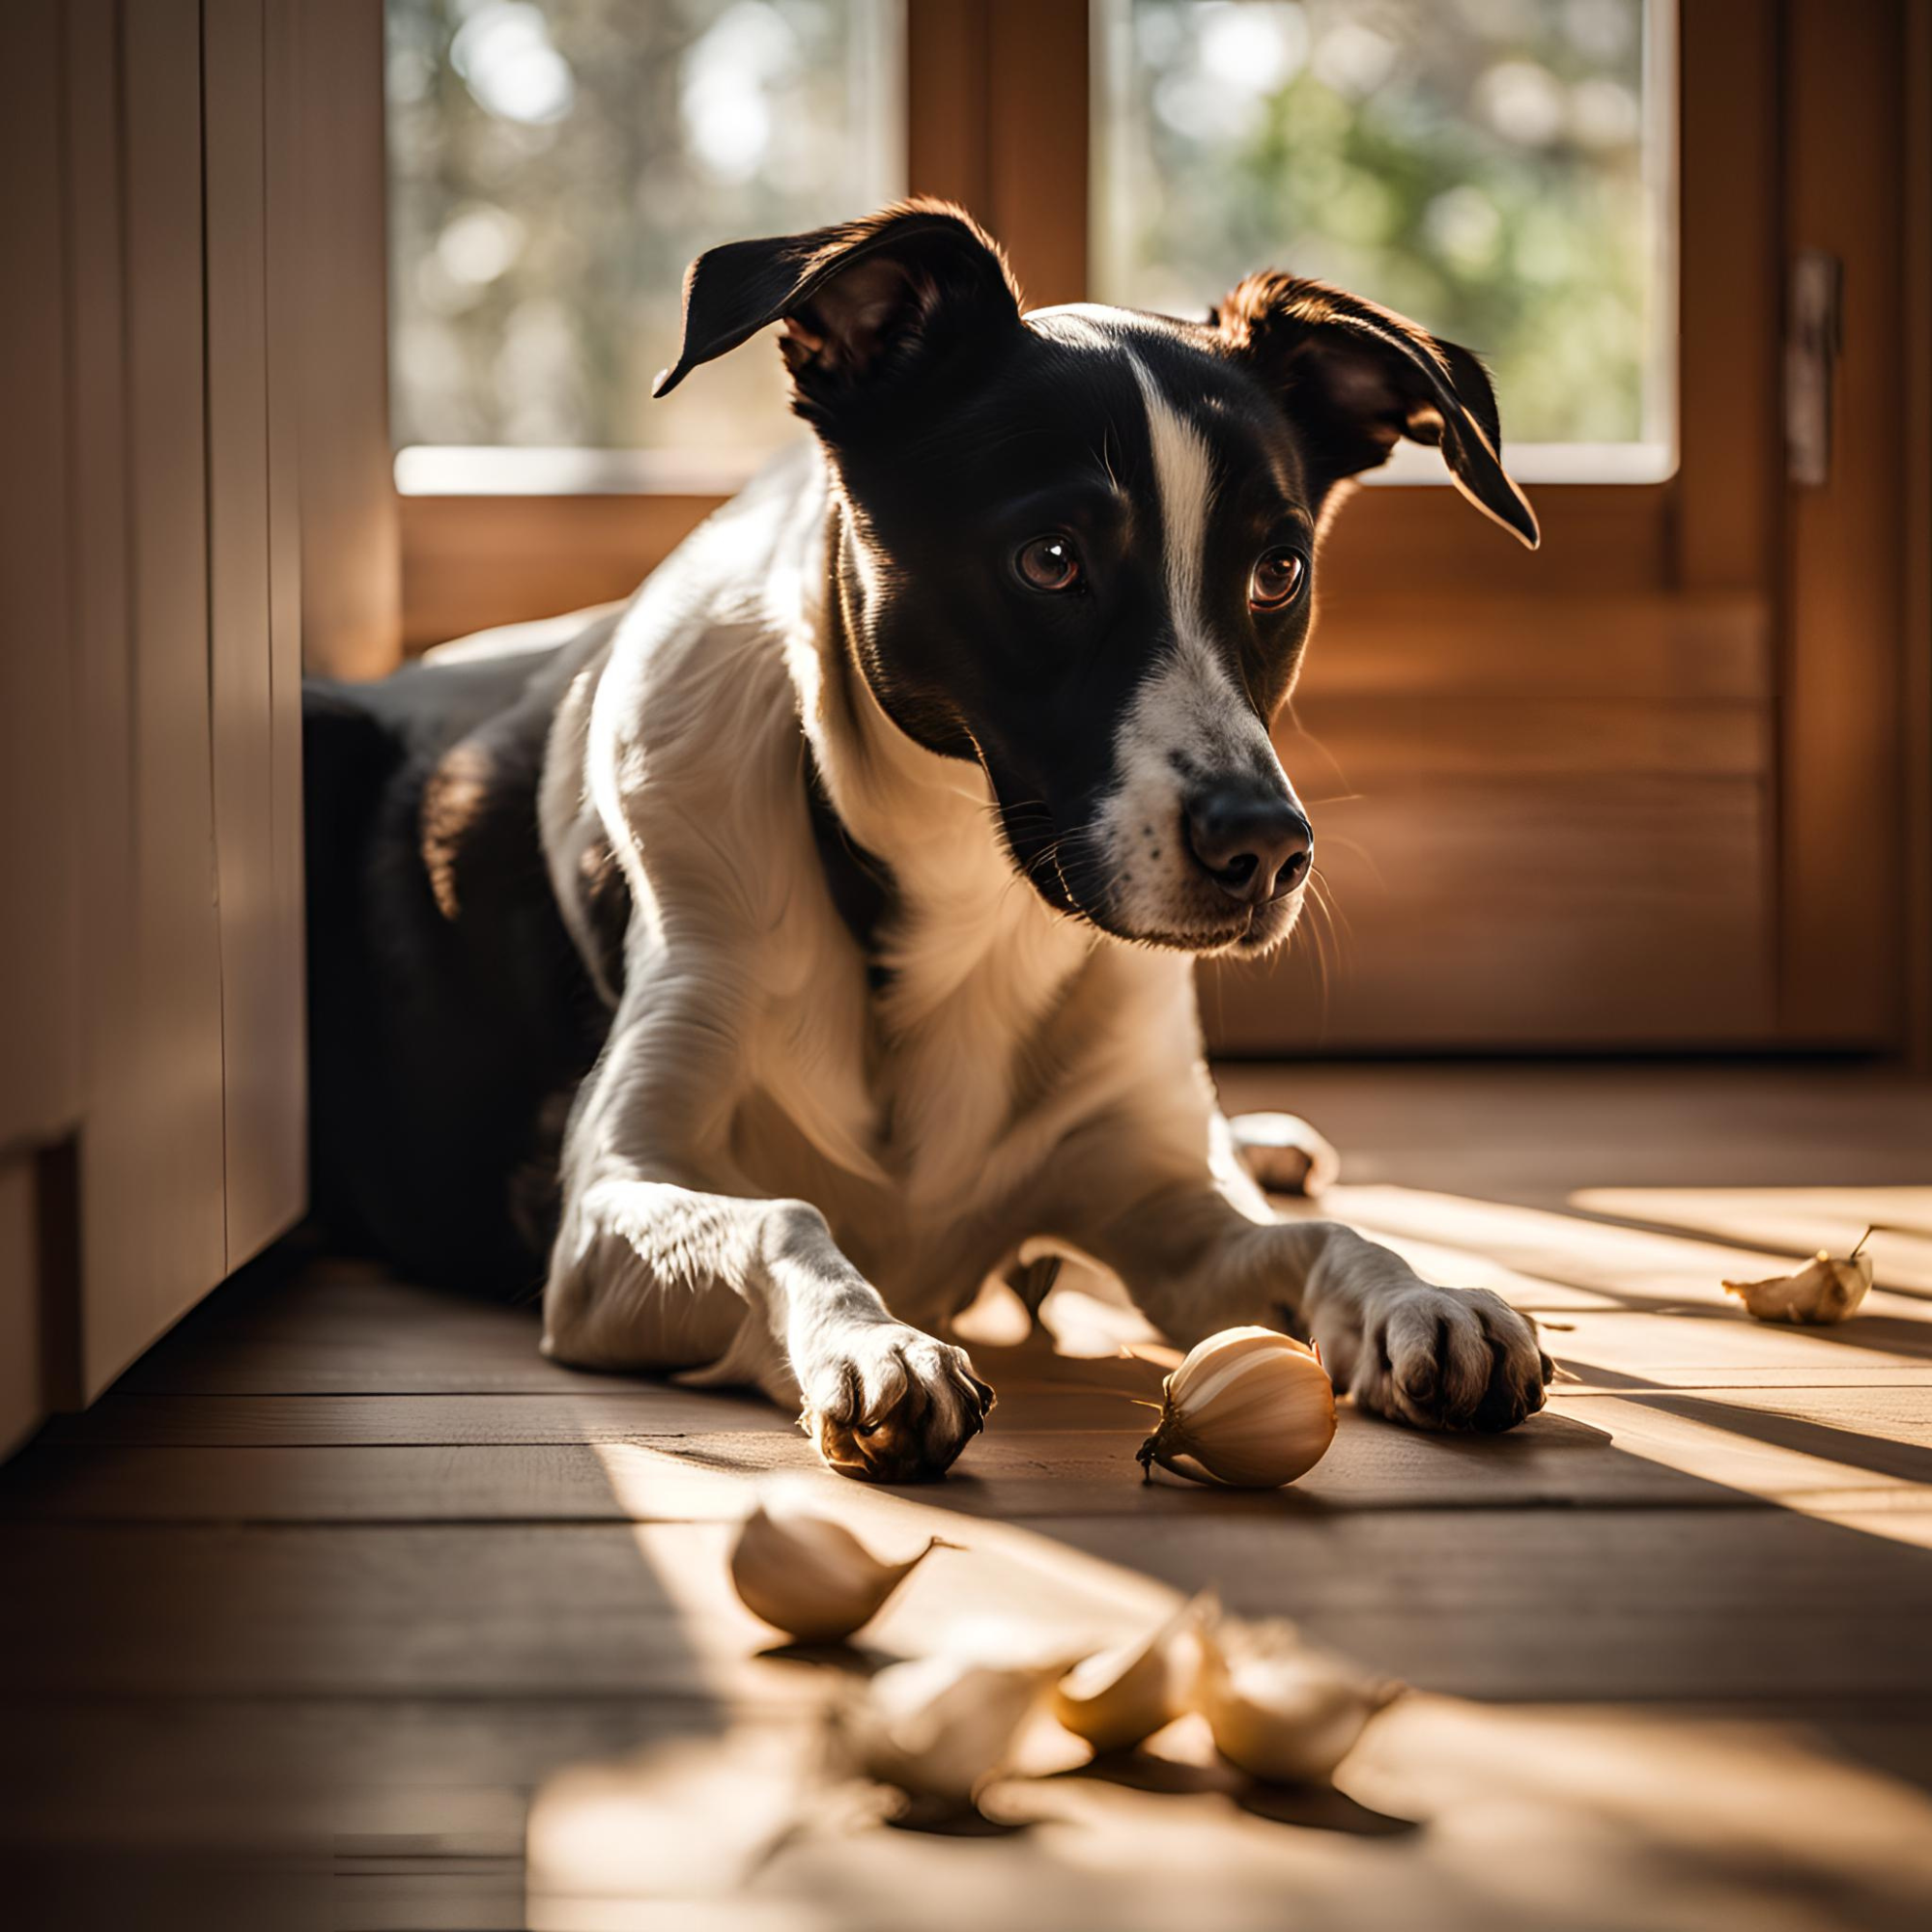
814 937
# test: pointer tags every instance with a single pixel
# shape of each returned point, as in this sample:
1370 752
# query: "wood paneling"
22 1398
156 1195
40 940
256 721
151 1038
1533 824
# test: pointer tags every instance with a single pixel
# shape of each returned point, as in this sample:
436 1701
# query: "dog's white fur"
772 1176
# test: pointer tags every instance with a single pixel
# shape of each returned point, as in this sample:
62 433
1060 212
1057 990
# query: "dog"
812 938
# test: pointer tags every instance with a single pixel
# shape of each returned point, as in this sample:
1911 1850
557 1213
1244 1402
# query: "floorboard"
345 1608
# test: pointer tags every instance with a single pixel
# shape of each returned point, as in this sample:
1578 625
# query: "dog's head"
1078 544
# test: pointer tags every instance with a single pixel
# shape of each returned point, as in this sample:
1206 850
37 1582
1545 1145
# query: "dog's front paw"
1444 1358
892 1405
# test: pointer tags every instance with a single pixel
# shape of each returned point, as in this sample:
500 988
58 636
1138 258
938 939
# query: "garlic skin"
1825 1291
940 1727
1118 1697
1285 1155
810 1576
1278 1709
1251 1408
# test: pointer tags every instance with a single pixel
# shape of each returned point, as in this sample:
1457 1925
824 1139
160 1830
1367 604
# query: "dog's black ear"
1359 377
868 306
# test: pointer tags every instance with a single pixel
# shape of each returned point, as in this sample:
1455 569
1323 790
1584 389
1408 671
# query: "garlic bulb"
1825 1291
1249 1407
940 1727
1278 1709
810 1576
1285 1155
1117 1697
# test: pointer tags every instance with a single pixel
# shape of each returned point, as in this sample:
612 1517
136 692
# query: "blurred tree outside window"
554 166
1499 170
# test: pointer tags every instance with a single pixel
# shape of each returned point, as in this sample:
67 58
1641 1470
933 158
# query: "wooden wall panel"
152 1174
284 1045
23 1400
39 1014
261 965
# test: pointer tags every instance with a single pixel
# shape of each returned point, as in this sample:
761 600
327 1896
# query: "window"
552 169
1499 169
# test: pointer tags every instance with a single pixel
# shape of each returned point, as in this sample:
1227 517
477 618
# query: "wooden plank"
151 1170
261 1026
41 1061
623 1412
23 1400
284 993
1587 1603
1851 1450
1377 641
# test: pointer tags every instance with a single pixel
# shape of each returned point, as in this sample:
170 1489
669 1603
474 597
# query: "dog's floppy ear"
1359 377
867 305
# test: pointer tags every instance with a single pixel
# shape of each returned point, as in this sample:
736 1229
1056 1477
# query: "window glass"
555 163
1499 170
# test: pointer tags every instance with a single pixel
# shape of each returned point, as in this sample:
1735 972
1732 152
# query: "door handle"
1813 336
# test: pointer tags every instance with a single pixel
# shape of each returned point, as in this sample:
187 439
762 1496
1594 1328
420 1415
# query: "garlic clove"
1117 1697
1278 1709
1285 1155
940 1727
1250 1407
810 1577
1827 1290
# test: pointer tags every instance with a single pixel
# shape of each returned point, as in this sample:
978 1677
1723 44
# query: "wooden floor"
345 1610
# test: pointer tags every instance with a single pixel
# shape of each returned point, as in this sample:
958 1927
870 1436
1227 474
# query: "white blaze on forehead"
1183 475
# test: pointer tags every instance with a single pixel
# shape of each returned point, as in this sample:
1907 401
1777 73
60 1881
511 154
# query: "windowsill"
462 470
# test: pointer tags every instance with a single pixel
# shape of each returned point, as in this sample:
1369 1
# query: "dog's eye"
1276 578
1048 563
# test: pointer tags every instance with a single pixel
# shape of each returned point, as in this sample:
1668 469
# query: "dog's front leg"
662 1262
1196 1258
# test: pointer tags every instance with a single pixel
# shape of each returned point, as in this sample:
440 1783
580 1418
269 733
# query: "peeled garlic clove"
1117 1697
810 1576
1249 1407
1827 1290
941 1727
1278 1709
1285 1154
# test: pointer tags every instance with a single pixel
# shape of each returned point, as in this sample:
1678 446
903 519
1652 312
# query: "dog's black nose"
1255 846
